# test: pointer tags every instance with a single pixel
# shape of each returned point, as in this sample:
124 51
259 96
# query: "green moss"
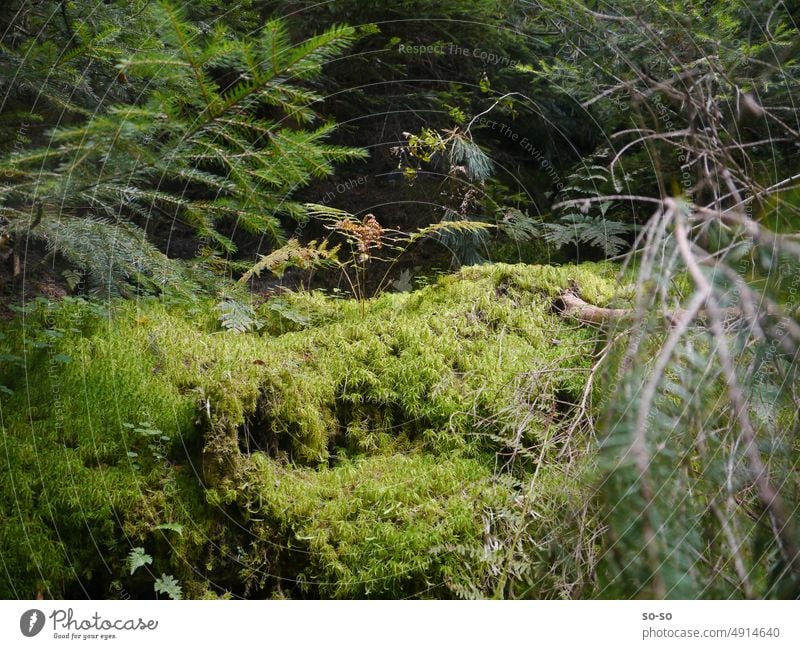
374 527
341 406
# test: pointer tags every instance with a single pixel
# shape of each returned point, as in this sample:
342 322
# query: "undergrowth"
397 453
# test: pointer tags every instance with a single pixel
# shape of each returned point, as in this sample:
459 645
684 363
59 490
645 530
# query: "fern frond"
292 255
237 317
115 258
595 231
460 227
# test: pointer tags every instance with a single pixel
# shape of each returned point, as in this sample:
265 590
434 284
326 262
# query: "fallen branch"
570 304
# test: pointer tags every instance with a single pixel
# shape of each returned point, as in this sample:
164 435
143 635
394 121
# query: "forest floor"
346 449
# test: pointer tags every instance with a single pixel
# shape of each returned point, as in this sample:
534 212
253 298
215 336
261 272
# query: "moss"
379 526
340 405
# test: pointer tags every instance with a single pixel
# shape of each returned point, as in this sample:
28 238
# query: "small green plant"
155 441
138 558
165 584
169 586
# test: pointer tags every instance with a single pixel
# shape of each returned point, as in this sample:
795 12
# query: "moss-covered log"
350 455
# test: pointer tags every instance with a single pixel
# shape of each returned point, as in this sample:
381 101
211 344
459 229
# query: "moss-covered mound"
363 452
